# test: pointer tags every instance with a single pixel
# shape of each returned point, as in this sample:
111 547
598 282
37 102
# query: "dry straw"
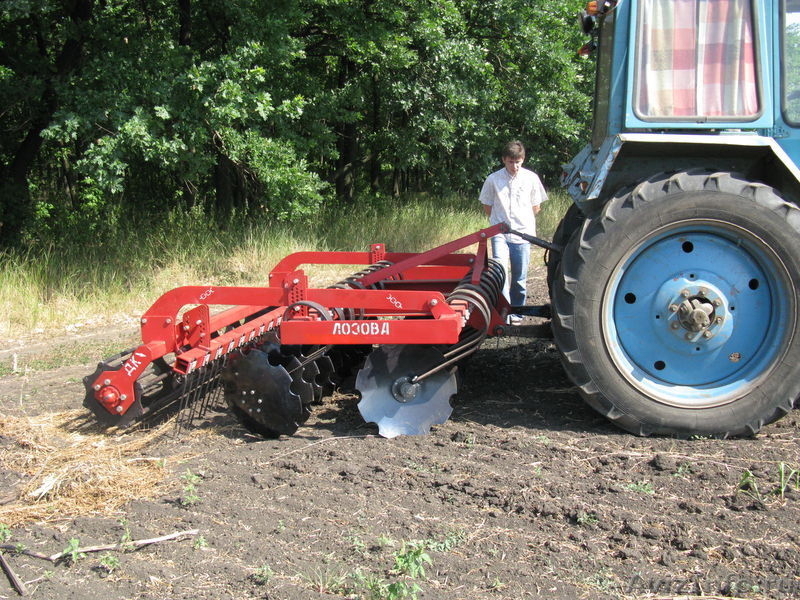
68 466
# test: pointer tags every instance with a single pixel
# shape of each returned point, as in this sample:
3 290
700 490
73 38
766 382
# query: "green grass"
641 487
64 284
66 354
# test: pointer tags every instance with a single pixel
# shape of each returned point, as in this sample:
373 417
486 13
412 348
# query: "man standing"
513 195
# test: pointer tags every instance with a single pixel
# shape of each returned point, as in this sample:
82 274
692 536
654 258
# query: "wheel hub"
404 390
695 314
698 312
693 311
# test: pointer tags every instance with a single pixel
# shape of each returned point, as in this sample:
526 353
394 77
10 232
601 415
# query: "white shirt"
512 200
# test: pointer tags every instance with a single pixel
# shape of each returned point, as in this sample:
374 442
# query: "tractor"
673 276
675 300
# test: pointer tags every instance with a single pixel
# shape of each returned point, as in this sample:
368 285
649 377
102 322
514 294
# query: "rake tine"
184 400
211 386
213 399
191 393
201 385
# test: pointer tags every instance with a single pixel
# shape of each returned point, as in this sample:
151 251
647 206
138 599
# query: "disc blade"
385 372
262 392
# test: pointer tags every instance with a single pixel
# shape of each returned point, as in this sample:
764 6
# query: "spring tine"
188 415
202 389
211 387
212 399
204 376
193 383
184 402
185 389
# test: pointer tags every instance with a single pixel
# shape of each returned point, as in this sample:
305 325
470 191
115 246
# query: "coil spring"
481 297
353 282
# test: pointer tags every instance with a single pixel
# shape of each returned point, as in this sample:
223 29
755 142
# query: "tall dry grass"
67 285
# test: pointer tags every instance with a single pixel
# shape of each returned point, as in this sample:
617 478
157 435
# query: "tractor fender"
622 160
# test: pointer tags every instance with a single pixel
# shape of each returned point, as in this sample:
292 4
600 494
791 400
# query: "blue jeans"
518 255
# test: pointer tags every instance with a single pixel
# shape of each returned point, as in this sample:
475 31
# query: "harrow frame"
400 298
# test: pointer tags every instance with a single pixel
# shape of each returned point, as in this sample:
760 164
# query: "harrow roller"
158 386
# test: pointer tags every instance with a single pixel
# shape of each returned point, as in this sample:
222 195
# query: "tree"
121 112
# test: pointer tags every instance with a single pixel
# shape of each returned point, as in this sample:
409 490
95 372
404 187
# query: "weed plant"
116 276
262 575
5 533
109 562
189 495
787 478
72 552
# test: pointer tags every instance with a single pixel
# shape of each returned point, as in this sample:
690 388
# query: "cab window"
696 60
791 61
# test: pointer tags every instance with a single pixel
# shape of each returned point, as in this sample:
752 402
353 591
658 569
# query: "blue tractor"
676 300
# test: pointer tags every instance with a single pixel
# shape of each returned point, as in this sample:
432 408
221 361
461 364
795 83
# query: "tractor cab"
690 83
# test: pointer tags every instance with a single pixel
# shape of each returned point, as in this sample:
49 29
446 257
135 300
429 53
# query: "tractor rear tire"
570 223
676 310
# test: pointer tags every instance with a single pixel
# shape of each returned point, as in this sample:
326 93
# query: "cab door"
787 130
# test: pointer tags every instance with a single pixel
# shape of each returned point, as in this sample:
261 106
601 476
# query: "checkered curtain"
696 58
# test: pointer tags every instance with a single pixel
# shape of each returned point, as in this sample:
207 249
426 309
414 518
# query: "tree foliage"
117 112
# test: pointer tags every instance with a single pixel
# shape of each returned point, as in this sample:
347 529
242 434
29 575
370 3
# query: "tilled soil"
523 493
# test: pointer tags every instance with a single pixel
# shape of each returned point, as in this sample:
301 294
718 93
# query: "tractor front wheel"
676 309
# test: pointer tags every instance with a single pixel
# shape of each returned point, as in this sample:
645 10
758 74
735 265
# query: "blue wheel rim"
663 291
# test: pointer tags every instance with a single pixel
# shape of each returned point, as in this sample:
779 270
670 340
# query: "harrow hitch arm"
534 240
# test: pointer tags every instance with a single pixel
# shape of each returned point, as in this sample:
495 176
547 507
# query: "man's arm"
487 209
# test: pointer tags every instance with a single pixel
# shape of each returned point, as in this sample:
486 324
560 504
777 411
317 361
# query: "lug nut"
686 293
673 308
119 409
706 334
